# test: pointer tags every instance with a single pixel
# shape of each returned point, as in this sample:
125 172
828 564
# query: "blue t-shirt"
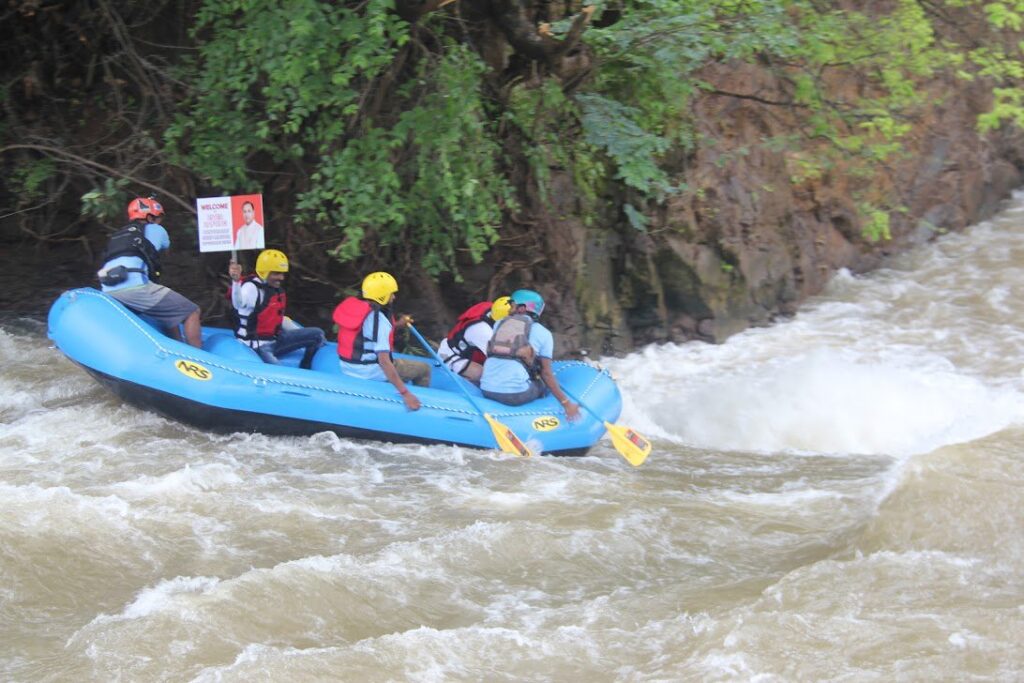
156 234
380 344
507 376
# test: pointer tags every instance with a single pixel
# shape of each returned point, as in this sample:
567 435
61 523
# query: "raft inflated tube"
225 387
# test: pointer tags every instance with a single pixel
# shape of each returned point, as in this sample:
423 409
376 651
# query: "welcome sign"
230 223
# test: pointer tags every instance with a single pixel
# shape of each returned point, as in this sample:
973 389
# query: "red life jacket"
266 318
350 315
457 336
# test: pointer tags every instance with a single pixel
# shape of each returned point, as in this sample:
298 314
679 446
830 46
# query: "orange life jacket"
350 315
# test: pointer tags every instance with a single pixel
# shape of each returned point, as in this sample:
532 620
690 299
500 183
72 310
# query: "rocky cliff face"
747 243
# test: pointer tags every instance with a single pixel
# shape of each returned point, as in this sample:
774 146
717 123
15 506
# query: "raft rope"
259 380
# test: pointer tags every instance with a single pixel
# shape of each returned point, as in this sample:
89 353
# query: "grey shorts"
535 391
164 306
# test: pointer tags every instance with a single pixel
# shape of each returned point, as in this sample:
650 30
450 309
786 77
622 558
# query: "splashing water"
833 497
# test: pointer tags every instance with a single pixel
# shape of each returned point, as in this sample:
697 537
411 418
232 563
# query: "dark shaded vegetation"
474 147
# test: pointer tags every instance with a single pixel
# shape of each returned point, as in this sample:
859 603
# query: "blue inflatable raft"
226 387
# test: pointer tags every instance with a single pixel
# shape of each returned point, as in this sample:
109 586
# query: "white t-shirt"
244 297
478 334
249 236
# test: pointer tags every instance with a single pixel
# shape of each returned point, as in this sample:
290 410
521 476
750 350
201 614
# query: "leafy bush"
398 141
404 160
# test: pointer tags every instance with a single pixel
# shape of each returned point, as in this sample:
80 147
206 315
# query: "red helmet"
141 208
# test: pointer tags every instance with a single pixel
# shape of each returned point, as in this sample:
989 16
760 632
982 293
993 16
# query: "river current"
839 496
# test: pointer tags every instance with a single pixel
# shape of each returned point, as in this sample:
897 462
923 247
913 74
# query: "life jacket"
264 322
476 313
350 315
510 340
131 241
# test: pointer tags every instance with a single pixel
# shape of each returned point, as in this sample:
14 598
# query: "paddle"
506 438
630 445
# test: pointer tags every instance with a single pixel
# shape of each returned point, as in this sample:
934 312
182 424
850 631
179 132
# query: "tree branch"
530 40
62 155
754 98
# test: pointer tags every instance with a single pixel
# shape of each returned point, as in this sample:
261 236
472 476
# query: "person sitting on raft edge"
518 365
258 302
131 273
366 337
464 348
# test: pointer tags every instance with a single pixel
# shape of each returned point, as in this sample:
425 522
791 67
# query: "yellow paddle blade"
630 445
507 439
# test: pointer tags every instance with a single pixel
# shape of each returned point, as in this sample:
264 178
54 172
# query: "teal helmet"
533 301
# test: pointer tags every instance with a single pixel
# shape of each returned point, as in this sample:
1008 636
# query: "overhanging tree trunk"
519 26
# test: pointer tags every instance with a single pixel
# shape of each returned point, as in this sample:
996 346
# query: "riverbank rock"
749 240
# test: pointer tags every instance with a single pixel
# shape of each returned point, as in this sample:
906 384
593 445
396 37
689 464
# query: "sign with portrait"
230 223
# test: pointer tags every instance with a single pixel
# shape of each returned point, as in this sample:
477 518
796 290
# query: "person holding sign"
250 233
131 271
259 304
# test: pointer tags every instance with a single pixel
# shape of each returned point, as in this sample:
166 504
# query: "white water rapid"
839 496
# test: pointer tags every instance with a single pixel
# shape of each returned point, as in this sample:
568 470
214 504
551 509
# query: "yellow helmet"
271 261
379 287
501 307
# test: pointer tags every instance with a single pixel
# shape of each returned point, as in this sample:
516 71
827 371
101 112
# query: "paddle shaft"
503 435
451 373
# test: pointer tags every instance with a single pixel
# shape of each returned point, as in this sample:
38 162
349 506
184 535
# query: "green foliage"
106 203
355 188
29 180
410 163
612 126
1003 15
430 180
1008 105
635 218
653 59
875 224
893 52
646 58
279 77
397 147
458 192
546 122
999 61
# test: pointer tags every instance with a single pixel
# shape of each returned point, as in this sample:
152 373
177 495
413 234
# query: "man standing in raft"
131 271
259 303
464 349
518 365
366 337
